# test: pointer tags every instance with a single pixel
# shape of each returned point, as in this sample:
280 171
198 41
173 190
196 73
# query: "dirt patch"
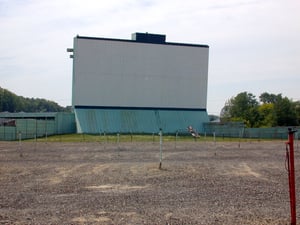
107 183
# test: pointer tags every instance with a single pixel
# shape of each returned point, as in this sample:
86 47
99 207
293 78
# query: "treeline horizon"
10 102
270 110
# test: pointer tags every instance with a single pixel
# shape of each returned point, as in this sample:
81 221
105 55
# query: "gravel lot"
110 183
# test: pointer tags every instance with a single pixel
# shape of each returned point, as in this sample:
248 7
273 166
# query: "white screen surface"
111 73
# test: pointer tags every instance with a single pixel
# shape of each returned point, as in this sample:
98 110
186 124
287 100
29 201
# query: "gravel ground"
109 183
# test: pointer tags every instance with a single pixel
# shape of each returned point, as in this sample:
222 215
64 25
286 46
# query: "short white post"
20 143
118 141
176 137
160 148
215 137
20 138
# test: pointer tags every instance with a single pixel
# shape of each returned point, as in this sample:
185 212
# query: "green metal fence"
238 130
34 125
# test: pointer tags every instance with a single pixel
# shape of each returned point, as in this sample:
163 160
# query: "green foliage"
9 102
274 110
297 108
267 98
285 112
243 107
267 115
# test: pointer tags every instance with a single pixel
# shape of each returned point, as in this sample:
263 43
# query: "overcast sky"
254 45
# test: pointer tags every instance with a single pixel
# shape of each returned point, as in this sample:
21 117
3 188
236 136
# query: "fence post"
176 137
215 138
20 137
160 148
20 143
118 141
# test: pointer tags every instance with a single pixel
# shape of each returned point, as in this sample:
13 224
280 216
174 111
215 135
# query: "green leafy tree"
285 112
268 98
274 110
12 103
297 109
267 115
243 107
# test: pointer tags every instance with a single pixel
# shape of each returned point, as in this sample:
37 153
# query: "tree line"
270 110
10 102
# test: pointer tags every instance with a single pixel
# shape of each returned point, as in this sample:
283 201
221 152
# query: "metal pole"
160 148
20 138
118 141
215 138
20 143
291 175
176 137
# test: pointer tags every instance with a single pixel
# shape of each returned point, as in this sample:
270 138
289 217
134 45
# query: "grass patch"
115 138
